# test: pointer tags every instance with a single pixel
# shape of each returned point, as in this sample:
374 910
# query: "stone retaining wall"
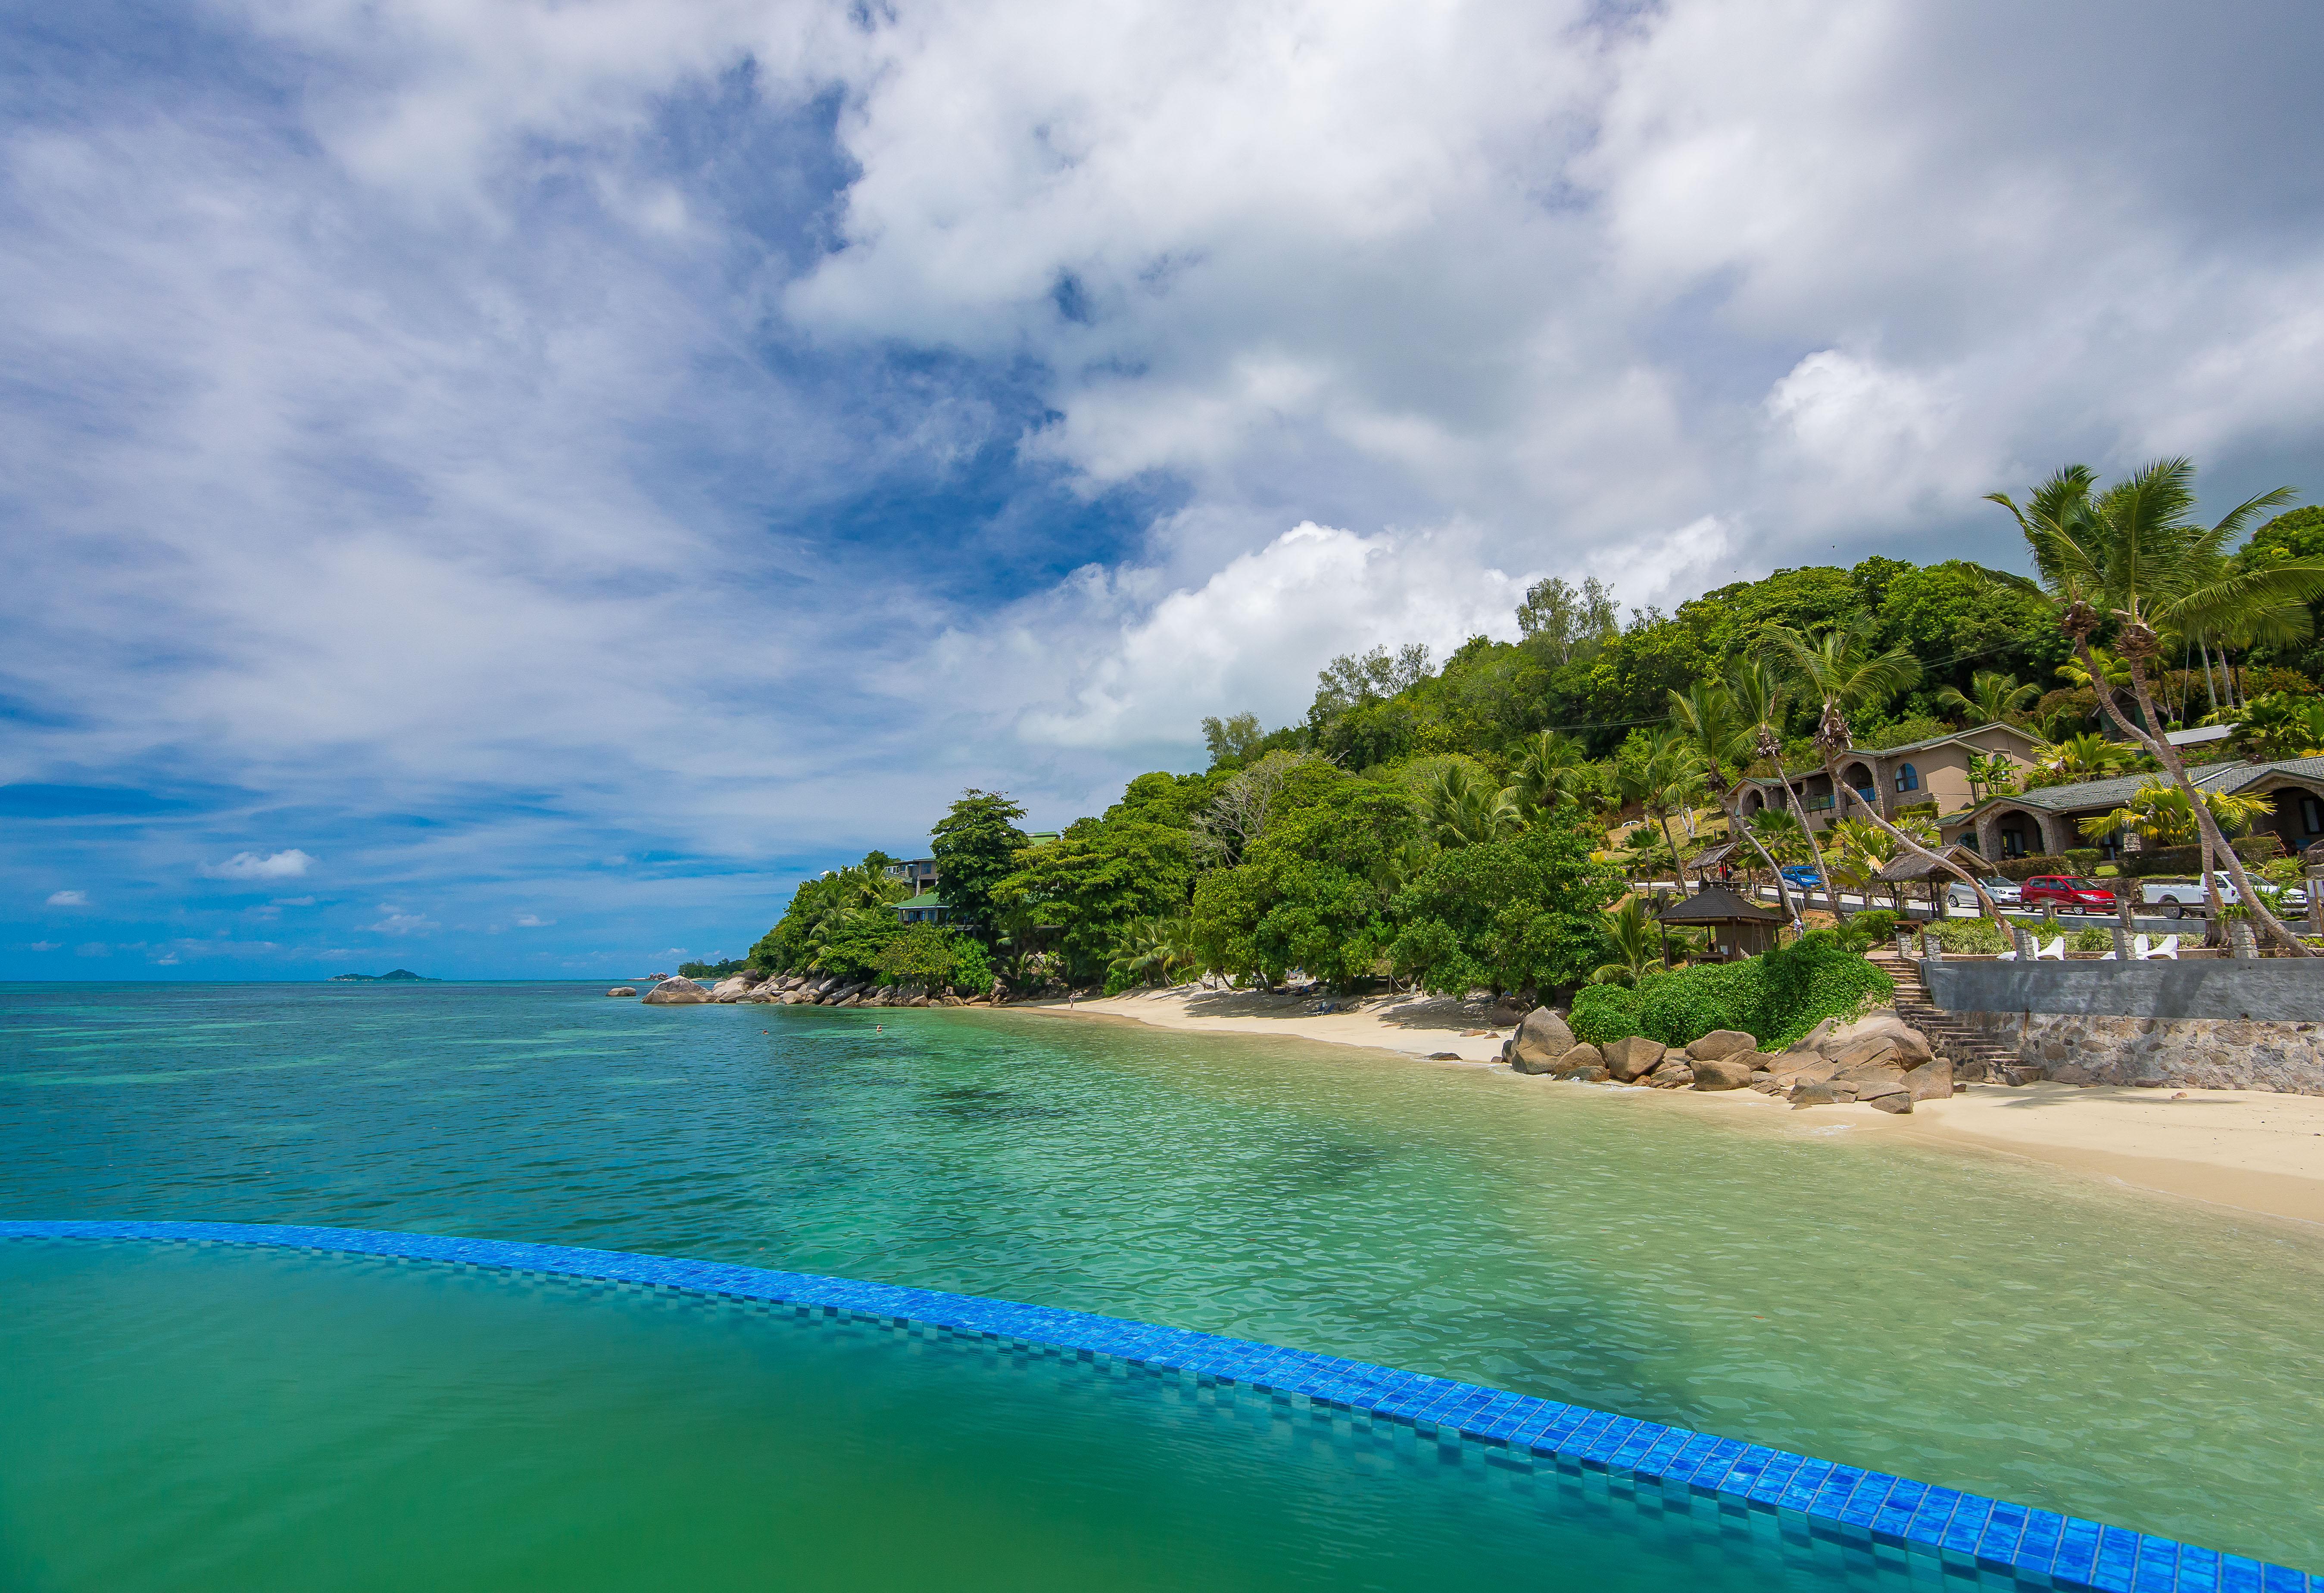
2186 1053
2289 990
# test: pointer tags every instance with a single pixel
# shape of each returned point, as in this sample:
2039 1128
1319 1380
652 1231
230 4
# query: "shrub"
1972 935
2023 868
2091 940
1603 1014
1877 924
2081 859
1776 998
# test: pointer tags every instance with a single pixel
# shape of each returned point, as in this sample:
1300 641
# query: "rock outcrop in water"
677 992
1879 1061
622 990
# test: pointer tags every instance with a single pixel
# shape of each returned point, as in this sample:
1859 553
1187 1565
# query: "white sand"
2254 1152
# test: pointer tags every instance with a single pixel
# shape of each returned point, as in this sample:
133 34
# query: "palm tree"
2134 555
1843 675
2086 756
1666 782
1992 698
2103 666
1632 935
2276 726
1551 772
1153 949
2160 815
1464 807
1781 839
1707 719
1760 702
1635 934
1991 773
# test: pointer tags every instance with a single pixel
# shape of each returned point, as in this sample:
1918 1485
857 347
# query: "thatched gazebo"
1911 869
1738 927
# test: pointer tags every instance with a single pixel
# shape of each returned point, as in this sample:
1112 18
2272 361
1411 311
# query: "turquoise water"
1974 1322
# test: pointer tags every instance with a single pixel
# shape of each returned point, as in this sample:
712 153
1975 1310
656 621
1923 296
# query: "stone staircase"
1976 1056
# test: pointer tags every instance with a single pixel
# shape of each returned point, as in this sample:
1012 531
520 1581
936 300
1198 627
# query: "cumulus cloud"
69 898
1251 635
288 863
533 921
683 431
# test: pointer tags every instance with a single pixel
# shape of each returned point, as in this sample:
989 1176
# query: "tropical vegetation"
1499 818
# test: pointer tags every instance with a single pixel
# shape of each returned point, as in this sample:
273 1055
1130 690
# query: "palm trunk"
1678 869
1992 911
1735 826
2206 824
1799 808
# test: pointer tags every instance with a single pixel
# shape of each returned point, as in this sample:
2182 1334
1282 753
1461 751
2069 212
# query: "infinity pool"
1977 1324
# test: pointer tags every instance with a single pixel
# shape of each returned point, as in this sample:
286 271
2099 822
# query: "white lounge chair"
2167 947
2009 956
2055 950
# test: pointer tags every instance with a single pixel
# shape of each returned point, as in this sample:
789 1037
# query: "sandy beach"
2252 1153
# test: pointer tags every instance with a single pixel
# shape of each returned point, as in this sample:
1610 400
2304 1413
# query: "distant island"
401 975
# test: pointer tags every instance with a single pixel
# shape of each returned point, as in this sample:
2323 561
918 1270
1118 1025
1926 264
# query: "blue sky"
503 491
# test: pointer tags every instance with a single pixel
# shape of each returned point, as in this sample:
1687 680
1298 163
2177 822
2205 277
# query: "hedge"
2189 860
2025 868
1776 998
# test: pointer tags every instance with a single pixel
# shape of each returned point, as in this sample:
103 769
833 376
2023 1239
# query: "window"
1908 778
2311 816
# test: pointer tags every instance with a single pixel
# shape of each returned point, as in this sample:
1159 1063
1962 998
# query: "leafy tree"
2134 557
846 903
1513 914
1248 800
1233 741
933 954
1353 680
1711 722
976 846
1667 782
1562 620
1311 893
1092 884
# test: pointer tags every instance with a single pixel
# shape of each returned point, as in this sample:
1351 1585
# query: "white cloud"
68 898
395 920
166 959
528 921
43 945
291 864
1668 294
1253 635
292 901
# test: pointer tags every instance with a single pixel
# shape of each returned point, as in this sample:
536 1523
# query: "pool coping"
1968 1532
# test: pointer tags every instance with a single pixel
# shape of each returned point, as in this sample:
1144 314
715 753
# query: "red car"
2067 893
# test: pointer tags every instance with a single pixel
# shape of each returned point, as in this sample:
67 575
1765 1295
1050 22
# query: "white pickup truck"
2179 897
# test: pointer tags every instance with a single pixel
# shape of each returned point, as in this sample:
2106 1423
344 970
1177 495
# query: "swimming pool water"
1976 1323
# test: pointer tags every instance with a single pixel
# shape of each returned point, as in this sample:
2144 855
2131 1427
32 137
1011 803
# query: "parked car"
2066 892
2179 897
2004 891
1802 876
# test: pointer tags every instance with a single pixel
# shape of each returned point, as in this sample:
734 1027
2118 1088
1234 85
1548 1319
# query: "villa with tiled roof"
1931 773
2048 820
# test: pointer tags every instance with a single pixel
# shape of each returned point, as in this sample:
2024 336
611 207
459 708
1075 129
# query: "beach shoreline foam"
2238 1149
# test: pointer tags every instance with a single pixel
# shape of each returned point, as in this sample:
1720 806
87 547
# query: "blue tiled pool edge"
1965 1532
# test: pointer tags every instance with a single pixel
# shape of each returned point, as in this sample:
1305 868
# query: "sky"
507 491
